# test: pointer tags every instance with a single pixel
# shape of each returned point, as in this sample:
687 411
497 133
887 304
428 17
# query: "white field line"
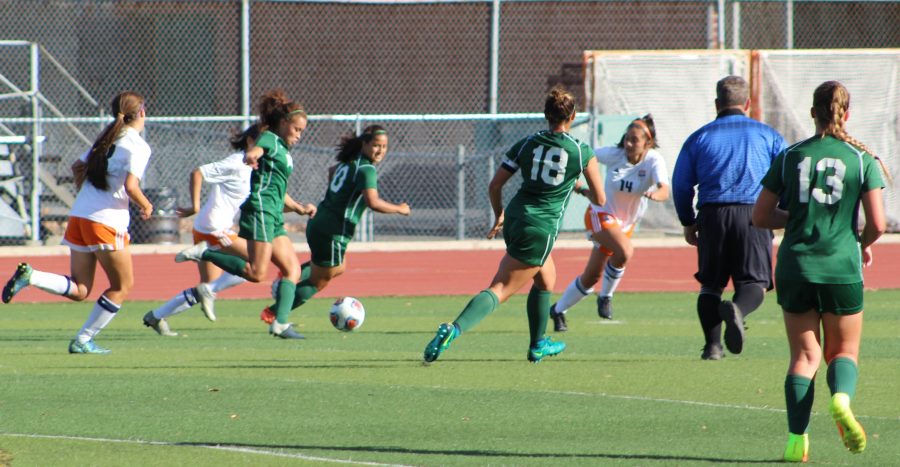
218 447
233 448
700 403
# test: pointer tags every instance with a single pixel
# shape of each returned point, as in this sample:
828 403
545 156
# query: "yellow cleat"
852 433
797 449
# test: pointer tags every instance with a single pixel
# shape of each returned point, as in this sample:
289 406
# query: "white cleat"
207 299
159 325
192 254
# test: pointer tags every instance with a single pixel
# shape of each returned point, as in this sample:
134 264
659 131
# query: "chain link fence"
203 64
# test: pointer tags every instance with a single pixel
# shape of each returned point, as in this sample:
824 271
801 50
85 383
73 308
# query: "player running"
230 180
262 223
818 275
635 173
550 162
108 176
352 187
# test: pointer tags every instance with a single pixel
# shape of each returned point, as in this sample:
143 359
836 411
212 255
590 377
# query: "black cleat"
604 307
712 352
559 320
734 326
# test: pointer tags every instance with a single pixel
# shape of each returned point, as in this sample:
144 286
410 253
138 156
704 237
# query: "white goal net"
678 88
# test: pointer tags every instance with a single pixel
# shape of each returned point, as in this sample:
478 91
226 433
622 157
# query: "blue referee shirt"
726 160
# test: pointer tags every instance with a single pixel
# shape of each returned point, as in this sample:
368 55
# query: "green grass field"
628 392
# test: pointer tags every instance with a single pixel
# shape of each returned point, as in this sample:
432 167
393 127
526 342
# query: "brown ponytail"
126 107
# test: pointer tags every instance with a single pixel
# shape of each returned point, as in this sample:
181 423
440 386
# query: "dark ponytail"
126 107
240 140
351 145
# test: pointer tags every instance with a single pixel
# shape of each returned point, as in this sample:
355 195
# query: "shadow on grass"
487 453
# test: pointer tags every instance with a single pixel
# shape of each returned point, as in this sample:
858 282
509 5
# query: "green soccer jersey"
820 181
550 164
344 205
268 183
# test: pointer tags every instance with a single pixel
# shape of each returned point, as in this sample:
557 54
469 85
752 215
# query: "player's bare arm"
194 186
375 203
304 209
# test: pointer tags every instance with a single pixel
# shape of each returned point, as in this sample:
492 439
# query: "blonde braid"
838 106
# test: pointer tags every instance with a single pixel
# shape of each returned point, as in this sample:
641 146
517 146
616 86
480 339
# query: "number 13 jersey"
821 181
550 164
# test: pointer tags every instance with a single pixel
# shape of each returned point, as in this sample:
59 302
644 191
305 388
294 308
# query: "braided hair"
831 102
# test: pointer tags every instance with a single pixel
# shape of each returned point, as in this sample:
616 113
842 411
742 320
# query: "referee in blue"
723 163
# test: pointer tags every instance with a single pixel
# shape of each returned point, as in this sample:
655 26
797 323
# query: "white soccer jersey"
131 155
626 183
230 179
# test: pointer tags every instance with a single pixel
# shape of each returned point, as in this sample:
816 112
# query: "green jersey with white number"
344 205
268 183
550 164
821 181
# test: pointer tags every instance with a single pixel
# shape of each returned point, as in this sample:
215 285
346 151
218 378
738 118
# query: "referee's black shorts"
730 247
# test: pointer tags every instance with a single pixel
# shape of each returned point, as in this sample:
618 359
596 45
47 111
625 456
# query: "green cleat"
852 433
545 348
445 334
19 280
797 448
88 347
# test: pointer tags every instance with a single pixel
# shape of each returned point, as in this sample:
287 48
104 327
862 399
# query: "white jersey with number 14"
626 183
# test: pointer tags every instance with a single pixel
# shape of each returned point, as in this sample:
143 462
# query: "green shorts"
326 249
800 297
261 226
527 243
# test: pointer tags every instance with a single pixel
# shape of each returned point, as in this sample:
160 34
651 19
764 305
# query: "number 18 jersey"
821 180
550 164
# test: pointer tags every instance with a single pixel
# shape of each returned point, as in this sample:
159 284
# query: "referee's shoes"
734 326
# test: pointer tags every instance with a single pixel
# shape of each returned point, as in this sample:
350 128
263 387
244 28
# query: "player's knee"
79 294
621 259
808 357
254 276
588 281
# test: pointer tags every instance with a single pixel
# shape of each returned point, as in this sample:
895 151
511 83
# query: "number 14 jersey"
626 183
550 164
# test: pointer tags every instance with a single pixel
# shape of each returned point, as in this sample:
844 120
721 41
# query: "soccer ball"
347 314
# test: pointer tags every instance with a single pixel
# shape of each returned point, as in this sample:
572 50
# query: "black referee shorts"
730 247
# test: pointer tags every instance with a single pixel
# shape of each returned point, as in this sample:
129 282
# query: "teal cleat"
19 280
445 334
88 347
545 348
